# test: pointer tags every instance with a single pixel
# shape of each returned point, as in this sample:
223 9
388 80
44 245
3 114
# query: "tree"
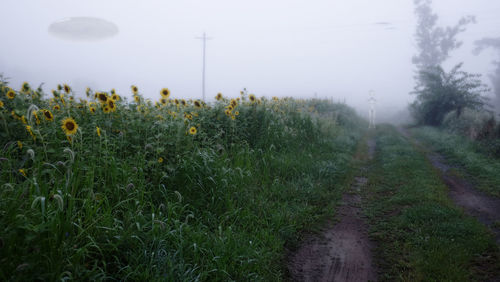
443 92
439 92
495 76
434 43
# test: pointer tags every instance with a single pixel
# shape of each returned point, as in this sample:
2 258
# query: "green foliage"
421 235
441 93
476 125
143 199
478 160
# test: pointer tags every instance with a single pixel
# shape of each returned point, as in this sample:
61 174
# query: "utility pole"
204 38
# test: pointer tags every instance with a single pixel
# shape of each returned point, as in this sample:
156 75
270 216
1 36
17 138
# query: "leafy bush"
441 93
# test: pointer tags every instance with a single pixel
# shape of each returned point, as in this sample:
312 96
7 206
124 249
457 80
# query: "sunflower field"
107 185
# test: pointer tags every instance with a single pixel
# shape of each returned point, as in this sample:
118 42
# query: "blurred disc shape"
83 29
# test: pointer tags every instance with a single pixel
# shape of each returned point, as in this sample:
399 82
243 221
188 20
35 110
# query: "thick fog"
326 49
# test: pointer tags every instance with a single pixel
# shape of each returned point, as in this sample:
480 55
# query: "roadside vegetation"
421 234
98 187
473 159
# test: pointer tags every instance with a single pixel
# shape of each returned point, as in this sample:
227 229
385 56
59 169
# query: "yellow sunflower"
135 90
48 115
163 101
59 87
111 105
92 110
113 91
30 131
234 103
165 93
233 117
102 97
236 113
106 109
218 97
69 126
183 102
137 99
1 104
26 87
197 104
192 130
176 101
252 98
67 89
98 130
160 159
227 112
11 94
115 97
20 144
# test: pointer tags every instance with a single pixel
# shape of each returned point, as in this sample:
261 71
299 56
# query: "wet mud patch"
343 250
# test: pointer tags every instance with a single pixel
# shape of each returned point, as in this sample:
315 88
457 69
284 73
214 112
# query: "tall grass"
142 198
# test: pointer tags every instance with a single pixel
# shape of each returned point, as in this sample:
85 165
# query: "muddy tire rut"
343 250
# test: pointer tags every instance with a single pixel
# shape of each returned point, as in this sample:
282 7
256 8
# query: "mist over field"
327 49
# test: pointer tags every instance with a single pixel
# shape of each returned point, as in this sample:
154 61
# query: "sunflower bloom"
160 160
20 144
183 102
252 98
26 87
163 101
35 113
92 110
30 131
113 91
102 97
165 93
67 89
115 97
69 126
11 94
1 104
106 109
111 105
197 104
218 97
137 99
48 115
56 108
98 130
192 130
135 90
236 113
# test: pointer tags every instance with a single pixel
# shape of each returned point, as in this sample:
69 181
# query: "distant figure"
371 113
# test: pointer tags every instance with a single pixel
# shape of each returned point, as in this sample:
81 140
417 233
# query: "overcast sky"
335 48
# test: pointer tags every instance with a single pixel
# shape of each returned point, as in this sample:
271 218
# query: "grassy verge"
421 235
176 191
469 156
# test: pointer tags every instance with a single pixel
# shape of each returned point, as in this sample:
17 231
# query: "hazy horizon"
325 49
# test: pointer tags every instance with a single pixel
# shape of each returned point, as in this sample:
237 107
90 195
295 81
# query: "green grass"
421 235
471 159
221 206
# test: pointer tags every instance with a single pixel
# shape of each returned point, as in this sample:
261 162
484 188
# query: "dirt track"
475 203
343 251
